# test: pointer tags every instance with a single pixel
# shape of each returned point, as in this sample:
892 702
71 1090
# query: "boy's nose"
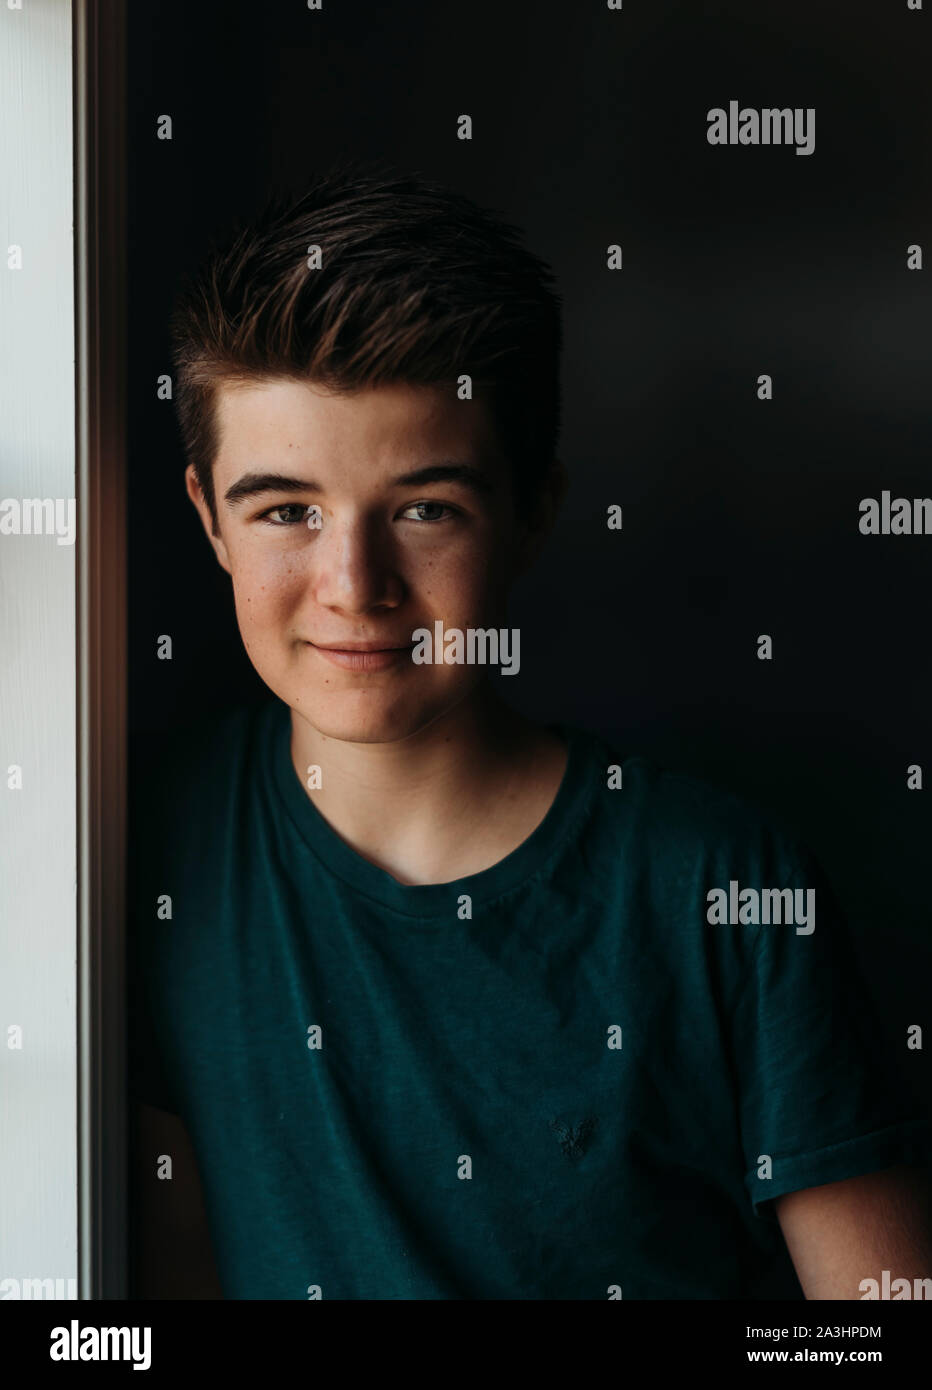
355 567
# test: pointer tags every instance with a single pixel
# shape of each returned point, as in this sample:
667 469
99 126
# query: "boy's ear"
543 517
203 511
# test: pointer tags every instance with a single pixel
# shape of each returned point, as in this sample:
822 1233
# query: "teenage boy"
431 1001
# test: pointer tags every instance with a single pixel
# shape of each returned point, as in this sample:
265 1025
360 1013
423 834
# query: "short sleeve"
818 1094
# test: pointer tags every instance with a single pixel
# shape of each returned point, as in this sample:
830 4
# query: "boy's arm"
173 1254
841 1233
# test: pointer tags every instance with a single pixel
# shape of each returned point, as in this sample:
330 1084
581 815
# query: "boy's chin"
364 720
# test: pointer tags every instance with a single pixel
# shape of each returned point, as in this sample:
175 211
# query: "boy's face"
379 565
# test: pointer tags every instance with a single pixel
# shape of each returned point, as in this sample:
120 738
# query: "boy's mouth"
363 656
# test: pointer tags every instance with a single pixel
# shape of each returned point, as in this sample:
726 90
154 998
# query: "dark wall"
740 516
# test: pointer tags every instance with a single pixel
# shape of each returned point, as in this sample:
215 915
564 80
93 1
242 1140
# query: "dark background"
740 516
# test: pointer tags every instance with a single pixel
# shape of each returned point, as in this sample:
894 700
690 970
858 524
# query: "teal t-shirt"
554 1079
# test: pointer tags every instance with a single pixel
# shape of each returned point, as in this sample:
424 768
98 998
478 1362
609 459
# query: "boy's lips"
380 646
363 656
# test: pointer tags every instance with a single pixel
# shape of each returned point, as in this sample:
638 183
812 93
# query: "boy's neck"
451 800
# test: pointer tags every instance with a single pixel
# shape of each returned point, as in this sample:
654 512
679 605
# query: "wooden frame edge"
100 173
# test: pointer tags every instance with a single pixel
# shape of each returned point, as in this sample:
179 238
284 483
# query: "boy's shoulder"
681 813
193 766
200 736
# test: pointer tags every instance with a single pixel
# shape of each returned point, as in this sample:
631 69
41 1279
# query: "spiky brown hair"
418 284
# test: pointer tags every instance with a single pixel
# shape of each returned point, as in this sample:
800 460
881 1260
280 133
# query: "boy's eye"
293 513
421 507
271 515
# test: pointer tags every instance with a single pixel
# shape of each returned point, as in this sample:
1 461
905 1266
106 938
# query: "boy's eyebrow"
466 473
251 484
